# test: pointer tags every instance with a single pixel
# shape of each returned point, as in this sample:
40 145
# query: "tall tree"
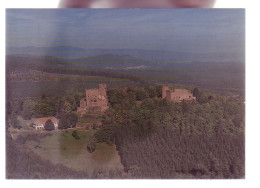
91 145
72 118
64 123
28 109
15 122
49 125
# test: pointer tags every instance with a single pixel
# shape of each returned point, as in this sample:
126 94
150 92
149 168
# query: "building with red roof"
40 122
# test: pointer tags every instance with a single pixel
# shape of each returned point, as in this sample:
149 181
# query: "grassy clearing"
63 148
104 152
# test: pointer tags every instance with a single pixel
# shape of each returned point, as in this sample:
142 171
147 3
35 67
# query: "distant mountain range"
101 62
133 55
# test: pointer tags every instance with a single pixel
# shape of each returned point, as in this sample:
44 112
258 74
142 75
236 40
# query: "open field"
62 148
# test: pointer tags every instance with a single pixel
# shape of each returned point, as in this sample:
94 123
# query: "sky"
192 30
54 4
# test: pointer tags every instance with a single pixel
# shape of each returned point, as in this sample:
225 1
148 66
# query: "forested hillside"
155 138
159 139
224 78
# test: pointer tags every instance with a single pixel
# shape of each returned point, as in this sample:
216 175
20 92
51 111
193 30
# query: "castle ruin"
177 95
95 100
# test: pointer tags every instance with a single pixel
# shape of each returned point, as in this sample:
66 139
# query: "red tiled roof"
44 119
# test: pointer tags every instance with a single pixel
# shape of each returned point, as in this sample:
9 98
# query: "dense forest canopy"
160 139
157 138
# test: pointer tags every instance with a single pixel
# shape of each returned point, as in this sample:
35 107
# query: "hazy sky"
192 30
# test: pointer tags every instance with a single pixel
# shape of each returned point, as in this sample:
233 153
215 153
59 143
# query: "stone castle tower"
177 95
102 89
164 90
95 100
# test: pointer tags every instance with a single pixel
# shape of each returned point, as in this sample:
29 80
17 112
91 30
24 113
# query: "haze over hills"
110 61
107 61
141 54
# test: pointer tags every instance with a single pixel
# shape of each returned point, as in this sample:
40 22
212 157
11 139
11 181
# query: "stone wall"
95 100
177 95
